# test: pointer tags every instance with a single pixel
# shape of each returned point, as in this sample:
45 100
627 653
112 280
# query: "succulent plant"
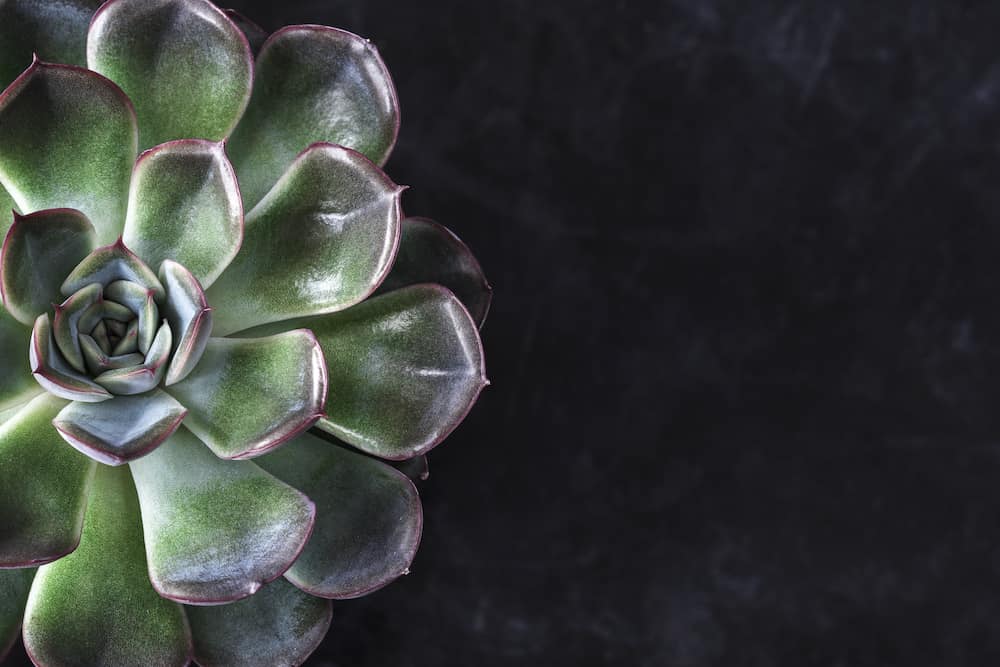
244 288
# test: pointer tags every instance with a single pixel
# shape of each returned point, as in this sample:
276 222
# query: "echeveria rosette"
224 349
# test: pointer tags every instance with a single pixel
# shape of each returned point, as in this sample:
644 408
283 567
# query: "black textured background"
745 344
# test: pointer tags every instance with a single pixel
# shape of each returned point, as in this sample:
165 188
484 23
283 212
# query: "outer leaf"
312 84
39 251
16 383
14 585
215 531
185 205
184 64
53 373
43 487
68 139
405 368
416 468
322 240
431 253
7 210
56 31
122 429
110 264
368 518
96 607
277 627
247 397
255 35
189 315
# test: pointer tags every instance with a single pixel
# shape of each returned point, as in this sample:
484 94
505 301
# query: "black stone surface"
745 343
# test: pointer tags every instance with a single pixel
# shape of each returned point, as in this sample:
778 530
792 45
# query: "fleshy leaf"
185 205
14 586
145 377
56 31
279 626
416 468
431 253
43 487
53 373
248 396
96 606
66 323
255 35
183 63
39 251
97 361
189 315
368 518
17 385
141 302
405 368
68 139
322 240
215 530
122 429
312 84
109 264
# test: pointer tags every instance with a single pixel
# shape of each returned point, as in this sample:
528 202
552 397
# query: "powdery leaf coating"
68 139
43 487
405 368
279 626
185 206
247 397
312 84
96 607
183 63
215 530
53 373
189 316
17 385
368 518
322 240
109 264
56 31
38 252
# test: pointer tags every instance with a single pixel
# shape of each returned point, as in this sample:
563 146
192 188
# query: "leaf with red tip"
122 429
322 240
279 626
215 530
188 313
53 373
312 84
56 31
248 396
96 606
185 206
145 377
43 487
38 253
183 63
109 264
432 253
68 139
368 518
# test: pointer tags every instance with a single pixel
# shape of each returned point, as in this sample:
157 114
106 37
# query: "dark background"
745 343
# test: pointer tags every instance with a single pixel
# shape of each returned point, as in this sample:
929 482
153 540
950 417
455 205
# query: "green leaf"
215 530
39 252
56 31
66 323
185 205
247 397
368 518
416 468
53 373
188 314
186 67
14 585
7 211
279 626
43 487
312 84
431 253
96 606
68 139
405 368
322 240
122 429
110 264
145 377
17 385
